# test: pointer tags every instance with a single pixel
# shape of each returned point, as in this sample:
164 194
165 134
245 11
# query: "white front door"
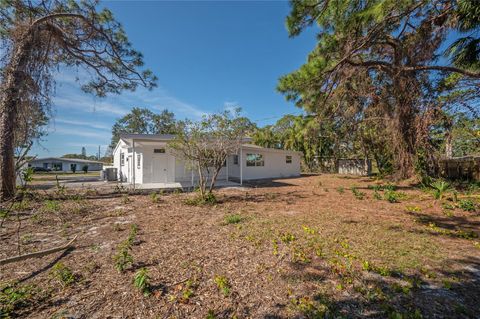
159 168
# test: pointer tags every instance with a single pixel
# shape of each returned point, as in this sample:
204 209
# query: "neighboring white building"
144 158
65 164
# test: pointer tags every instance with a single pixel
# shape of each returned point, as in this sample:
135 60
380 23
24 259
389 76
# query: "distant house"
65 164
145 158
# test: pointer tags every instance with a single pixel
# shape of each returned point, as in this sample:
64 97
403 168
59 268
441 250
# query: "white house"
65 164
145 158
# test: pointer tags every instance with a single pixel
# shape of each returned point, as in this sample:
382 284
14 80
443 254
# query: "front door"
159 168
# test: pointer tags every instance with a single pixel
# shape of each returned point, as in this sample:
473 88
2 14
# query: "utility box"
110 174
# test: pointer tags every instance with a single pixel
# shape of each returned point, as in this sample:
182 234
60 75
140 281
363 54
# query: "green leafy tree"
143 121
41 36
207 143
381 55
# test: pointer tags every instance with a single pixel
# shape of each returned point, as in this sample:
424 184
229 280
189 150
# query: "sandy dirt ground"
311 247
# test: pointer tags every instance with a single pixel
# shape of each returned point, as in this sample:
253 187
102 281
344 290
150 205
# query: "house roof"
128 138
75 160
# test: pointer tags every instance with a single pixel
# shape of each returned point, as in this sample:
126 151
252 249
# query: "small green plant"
63 275
391 196
141 281
233 219
122 258
51 206
154 197
85 169
207 199
223 285
358 194
377 195
287 238
13 297
467 205
125 199
440 188
211 315
340 190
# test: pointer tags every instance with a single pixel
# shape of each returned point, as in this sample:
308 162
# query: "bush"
85 169
208 199
233 219
467 205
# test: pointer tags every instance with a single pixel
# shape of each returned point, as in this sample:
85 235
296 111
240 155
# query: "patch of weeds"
392 196
155 198
358 194
233 219
317 307
275 247
63 274
460 233
126 199
211 314
476 244
208 199
123 258
189 290
448 206
308 230
14 297
141 281
381 270
376 195
223 285
393 314
22 205
26 239
271 196
340 190
51 206
287 238
413 209
467 205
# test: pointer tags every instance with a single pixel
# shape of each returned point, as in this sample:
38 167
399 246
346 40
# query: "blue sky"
207 55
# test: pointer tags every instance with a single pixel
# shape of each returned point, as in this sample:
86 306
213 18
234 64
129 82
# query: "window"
122 159
159 150
235 159
255 160
288 159
138 160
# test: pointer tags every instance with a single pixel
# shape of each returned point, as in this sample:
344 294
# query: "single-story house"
147 158
61 164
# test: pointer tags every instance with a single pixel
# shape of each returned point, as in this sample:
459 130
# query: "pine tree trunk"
9 99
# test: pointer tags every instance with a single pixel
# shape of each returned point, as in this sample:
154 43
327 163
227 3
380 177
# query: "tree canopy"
144 121
380 68
40 37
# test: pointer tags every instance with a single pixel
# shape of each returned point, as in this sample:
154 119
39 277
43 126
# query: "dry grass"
285 249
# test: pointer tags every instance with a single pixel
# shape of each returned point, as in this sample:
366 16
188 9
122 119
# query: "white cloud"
81 102
80 133
83 123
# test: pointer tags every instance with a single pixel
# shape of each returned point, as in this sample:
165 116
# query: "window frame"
288 159
235 160
139 158
259 160
122 159
160 150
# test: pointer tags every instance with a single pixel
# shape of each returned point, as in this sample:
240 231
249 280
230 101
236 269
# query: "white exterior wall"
176 170
275 164
66 165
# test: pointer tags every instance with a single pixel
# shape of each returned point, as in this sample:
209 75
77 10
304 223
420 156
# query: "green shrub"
440 188
141 281
51 206
13 297
392 196
85 169
63 274
208 199
358 194
340 190
467 205
233 219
